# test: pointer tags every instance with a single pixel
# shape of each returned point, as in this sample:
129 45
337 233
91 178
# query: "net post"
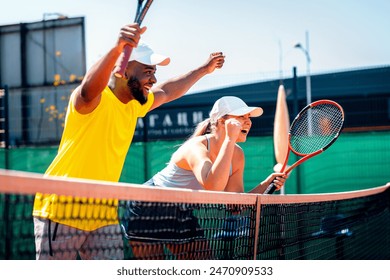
257 223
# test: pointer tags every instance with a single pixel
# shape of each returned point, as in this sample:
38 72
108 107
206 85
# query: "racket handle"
123 59
271 189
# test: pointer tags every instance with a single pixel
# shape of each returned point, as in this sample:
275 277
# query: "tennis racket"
314 129
142 9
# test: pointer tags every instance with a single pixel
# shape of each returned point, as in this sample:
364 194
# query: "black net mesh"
353 228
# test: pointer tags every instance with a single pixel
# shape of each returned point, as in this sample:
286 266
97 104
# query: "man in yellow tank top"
99 127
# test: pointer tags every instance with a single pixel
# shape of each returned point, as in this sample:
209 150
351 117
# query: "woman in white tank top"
211 160
216 162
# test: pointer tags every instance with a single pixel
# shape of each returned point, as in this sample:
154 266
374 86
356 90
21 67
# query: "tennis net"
164 223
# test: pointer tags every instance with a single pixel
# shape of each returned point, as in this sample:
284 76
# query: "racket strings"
316 128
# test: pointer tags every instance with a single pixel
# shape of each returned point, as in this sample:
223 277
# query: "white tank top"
176 177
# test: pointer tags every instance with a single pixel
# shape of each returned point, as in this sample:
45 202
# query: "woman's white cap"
234 106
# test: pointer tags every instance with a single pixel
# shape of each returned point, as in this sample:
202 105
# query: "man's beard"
135 88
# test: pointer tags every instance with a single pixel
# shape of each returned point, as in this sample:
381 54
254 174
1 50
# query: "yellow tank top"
93 146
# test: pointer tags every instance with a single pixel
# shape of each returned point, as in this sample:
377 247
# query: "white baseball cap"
145 55
231 105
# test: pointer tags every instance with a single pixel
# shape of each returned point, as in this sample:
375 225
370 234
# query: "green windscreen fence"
356 161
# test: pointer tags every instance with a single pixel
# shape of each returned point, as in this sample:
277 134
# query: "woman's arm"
211 175
277 178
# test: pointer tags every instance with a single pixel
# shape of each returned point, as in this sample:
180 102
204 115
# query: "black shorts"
159 221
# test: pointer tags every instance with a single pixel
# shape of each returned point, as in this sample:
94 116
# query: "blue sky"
257 36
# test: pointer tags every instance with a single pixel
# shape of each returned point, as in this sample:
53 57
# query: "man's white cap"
145 55
234 106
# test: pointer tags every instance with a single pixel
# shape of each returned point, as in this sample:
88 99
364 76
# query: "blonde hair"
204 127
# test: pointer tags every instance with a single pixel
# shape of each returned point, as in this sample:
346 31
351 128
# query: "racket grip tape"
123 59
271 189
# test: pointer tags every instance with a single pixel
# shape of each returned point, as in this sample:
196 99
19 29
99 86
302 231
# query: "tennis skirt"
159 221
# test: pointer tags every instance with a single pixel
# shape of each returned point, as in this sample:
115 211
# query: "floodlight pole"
308 80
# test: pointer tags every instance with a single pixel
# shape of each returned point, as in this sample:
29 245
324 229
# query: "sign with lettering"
169 123
180 123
